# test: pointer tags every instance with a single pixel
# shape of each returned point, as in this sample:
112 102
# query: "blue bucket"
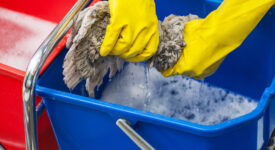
80 122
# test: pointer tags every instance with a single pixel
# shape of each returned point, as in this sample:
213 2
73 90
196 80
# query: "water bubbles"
181 98
20 35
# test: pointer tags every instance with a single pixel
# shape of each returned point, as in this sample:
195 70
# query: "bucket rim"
120 111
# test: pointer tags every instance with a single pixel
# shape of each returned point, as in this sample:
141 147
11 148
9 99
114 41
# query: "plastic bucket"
80 122
12 134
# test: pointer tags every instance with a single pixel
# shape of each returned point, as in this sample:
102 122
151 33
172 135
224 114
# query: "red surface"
46 137
52 10
12 135
16 33
11 109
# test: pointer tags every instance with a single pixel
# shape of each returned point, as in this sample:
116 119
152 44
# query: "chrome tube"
124 125
34 67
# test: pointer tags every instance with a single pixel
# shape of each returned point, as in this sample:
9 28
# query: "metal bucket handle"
32 73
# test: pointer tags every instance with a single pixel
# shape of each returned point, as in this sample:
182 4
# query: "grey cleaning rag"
83 60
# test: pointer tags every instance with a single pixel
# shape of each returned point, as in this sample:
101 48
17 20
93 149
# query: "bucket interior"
248 70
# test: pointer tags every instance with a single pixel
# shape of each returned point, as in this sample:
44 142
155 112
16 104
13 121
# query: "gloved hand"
133 30
209 40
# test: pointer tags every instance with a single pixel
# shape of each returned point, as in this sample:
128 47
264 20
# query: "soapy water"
21 35
178 97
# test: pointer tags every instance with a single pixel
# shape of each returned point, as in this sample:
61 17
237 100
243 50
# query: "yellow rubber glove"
209 40
133 30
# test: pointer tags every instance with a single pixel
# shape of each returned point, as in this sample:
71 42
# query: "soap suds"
178 97
21 35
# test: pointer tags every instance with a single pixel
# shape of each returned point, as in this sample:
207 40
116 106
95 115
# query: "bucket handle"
124 125
33 70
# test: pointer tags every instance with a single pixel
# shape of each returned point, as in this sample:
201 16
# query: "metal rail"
30 112
124 125
34 67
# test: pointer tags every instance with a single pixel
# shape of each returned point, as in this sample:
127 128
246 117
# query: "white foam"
21 35
177 97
